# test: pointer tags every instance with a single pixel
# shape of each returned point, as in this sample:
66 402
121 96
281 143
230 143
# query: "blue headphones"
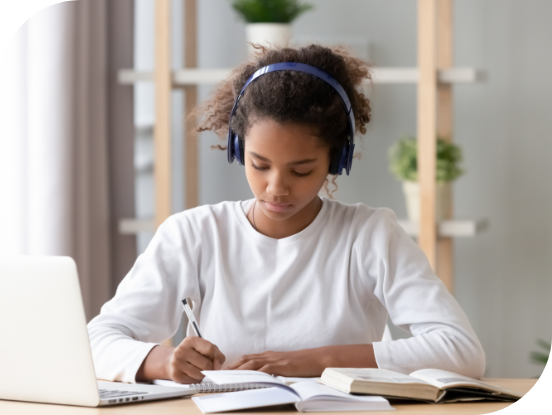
344 160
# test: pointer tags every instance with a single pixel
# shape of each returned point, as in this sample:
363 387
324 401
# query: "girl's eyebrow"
293 163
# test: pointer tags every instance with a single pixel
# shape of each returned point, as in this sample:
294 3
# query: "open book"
307 396
431 385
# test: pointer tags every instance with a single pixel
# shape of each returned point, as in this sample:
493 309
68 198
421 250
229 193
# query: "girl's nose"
277 185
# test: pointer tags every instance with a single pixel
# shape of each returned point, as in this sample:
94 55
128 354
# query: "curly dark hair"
290 96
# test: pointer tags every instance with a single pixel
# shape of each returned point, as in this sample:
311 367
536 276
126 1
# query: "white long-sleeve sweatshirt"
333 283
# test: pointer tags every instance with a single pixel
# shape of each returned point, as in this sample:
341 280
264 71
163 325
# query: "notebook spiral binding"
234 387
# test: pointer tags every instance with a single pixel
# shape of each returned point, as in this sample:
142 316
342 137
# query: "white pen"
191 317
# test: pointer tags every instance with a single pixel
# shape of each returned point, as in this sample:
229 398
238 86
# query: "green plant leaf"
544 345
541 358
270 11
403 160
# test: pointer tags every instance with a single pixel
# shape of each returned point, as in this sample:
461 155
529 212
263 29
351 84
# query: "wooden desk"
187 406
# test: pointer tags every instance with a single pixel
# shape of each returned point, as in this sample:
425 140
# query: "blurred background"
77 146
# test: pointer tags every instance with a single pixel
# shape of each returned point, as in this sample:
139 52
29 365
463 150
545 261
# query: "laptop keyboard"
113 394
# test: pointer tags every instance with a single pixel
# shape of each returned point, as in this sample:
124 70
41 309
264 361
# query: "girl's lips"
277 207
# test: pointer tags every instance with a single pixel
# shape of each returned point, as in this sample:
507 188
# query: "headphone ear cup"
343 159
230 146
349 158
333 161
238 149
242 152
338 160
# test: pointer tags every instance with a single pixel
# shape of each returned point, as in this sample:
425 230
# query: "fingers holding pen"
203 347
193 355
199 360
218 360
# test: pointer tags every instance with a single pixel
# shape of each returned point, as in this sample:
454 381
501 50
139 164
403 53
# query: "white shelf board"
450 228
447 228
199 76
134 226
130 76
411 75
380 75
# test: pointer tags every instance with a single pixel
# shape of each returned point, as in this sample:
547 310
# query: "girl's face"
285 165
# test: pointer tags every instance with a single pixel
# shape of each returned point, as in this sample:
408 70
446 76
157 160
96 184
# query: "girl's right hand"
192 356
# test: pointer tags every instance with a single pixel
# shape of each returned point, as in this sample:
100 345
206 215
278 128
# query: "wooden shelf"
382 75
446 228
449 228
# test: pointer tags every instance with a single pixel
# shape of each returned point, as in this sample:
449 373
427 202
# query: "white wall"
503 277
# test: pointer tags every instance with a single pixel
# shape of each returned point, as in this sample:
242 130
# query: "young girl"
287 283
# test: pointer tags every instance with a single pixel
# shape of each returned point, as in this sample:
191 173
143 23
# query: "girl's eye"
296 173
258 167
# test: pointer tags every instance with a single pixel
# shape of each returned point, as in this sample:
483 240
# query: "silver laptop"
44 348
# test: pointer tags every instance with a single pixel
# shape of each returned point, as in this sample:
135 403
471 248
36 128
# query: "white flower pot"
412 194
267 34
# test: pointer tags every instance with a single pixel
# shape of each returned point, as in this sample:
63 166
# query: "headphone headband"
345 157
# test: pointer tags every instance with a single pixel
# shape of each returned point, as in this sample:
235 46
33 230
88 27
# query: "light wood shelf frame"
162 130
191 189
434 77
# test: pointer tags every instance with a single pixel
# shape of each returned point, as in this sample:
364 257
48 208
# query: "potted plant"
404 166
268 21
541 357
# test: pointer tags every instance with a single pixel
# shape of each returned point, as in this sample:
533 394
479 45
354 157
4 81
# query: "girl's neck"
279 229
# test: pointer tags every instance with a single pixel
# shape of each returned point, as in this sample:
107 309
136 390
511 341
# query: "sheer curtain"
66 142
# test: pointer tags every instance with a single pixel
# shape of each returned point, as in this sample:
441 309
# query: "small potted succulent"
403 164
268 21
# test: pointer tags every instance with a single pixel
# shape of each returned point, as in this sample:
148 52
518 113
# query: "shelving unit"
434 77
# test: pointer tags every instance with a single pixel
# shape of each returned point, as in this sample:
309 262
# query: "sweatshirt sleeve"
146 307
417 301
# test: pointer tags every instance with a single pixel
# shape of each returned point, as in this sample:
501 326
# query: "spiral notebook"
209 387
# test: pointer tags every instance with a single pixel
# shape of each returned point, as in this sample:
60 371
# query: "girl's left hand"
301 363
307 362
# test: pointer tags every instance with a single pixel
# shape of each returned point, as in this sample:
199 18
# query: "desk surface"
188 407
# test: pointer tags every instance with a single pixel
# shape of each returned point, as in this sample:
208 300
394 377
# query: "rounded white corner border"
537 401
14 13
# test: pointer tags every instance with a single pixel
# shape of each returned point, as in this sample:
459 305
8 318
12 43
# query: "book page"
311 390
291 380
377 375
228 377
222 402
443 379
318 397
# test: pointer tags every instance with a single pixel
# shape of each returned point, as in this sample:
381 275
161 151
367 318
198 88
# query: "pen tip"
184 301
